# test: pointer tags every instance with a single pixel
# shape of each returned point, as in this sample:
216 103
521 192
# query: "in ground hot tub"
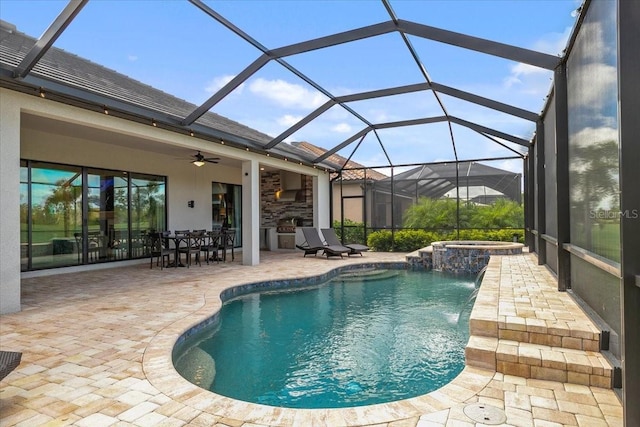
469 256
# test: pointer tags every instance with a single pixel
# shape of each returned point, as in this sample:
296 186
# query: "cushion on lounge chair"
313 244
9 360
331 238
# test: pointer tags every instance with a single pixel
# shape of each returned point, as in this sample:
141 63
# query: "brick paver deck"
97 352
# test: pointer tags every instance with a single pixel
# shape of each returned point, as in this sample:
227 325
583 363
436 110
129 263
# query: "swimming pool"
361 338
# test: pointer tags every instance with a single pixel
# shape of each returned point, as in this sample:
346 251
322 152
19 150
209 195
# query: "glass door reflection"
56 215
107 215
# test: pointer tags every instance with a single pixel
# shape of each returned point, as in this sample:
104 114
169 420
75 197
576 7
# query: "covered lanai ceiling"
384 83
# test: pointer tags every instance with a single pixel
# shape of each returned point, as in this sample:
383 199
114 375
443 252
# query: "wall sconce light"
153 123
42 94
106 111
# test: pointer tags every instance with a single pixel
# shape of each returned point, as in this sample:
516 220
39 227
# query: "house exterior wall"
157 155
184 181
353 207
9 197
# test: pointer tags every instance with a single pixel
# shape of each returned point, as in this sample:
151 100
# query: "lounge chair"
331 238
9 360
313 244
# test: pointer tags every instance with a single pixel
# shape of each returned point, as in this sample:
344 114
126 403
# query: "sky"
175 47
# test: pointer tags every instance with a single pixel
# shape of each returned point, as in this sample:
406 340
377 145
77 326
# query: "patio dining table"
177 240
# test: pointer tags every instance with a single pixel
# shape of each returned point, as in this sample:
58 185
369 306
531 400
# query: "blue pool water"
355 340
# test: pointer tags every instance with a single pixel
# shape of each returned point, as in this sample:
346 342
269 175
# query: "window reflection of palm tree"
63 195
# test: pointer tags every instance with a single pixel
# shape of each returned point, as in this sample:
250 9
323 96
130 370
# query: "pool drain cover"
485 414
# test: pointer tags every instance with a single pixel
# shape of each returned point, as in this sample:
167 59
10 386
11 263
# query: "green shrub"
438 213
381 241
434 214
502 235
411 240
353 231
500 214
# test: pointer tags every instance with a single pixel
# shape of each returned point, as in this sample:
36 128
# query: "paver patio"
97 345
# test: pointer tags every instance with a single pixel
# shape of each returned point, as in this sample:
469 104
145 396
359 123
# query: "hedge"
411 240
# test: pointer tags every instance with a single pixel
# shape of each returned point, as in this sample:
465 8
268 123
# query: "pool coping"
477 244
158 367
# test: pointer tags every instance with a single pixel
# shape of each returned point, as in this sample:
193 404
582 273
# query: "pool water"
355 340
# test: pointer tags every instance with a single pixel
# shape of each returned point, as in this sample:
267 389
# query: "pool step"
422 257
537 361
522 325
367 275
571 335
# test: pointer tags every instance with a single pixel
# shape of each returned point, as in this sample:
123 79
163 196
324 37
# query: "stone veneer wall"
272 210
466 259
422 258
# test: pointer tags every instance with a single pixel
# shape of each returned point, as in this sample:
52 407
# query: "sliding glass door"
107 215
226 208
147 208
55 209
70 215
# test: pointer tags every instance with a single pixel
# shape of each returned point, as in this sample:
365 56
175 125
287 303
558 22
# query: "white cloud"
288 120
380 116
529 80
132 58
520 70
598 46
553 43
512 165
592 92
534 80
219 82
287 94
590 136
341 128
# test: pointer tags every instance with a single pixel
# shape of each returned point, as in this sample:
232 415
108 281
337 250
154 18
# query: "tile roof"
350 173
65 68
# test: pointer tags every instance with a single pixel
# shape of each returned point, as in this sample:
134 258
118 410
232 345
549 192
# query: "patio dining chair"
211 246
159 249
228 241
190 246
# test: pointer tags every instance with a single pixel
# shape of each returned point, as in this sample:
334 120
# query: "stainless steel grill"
286 229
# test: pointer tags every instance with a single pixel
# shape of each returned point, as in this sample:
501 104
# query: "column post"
10 201
250 212
562 176
629 103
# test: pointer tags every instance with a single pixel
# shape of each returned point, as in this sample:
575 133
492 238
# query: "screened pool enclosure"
219 83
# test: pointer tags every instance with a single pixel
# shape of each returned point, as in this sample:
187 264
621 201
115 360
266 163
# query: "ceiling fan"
199 159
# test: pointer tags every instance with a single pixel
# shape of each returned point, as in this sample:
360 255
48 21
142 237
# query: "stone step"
421 257
530 310
566 334
541 362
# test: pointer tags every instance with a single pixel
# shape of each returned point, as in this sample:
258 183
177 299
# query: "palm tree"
61 199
